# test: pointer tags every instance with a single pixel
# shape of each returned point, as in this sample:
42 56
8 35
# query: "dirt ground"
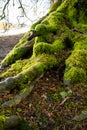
7 43
51 105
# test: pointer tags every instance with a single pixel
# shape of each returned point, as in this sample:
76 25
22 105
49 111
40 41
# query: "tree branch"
2 16
21 7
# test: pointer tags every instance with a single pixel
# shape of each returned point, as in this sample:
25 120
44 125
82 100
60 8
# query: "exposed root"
22 95
18 98
6 84
25 80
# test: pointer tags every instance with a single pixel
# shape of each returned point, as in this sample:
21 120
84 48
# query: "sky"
15 15
33 10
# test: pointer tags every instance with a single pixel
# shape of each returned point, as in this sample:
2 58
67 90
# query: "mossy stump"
63 29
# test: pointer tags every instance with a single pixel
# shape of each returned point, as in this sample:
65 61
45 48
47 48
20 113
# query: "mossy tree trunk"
63 29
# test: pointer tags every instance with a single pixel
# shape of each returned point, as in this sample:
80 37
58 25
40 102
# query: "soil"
7 43
51 105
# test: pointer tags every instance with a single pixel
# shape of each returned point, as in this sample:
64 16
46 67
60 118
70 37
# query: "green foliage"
65 94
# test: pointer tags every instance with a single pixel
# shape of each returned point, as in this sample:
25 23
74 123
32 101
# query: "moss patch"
2 122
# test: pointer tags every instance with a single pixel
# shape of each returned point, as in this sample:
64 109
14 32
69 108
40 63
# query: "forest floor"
51 105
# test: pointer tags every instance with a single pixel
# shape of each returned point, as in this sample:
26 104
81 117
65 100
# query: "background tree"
22 17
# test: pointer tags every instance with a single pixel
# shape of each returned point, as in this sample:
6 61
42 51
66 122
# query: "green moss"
53 23
46 48
29 70
24 66
56 19
66 5
42 29
82 17
55 6
15 68
63 6
51 61
39 39
76 67
36 23
55 97
57 46
78 59
33 26
70 105
42 48
75 75
2 122
20 50
81 45
73 16
15 54
82 27
22 40
47 37
43 63
52 32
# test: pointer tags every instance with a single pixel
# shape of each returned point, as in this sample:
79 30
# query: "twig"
65 99
3 11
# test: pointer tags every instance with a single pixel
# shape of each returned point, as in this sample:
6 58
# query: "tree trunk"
64 29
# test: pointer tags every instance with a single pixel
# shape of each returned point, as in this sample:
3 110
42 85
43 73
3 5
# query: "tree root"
21 96
5 85
25 80
18 98
9 122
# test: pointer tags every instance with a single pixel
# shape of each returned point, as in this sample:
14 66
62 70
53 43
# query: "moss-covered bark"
63 29
8 122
